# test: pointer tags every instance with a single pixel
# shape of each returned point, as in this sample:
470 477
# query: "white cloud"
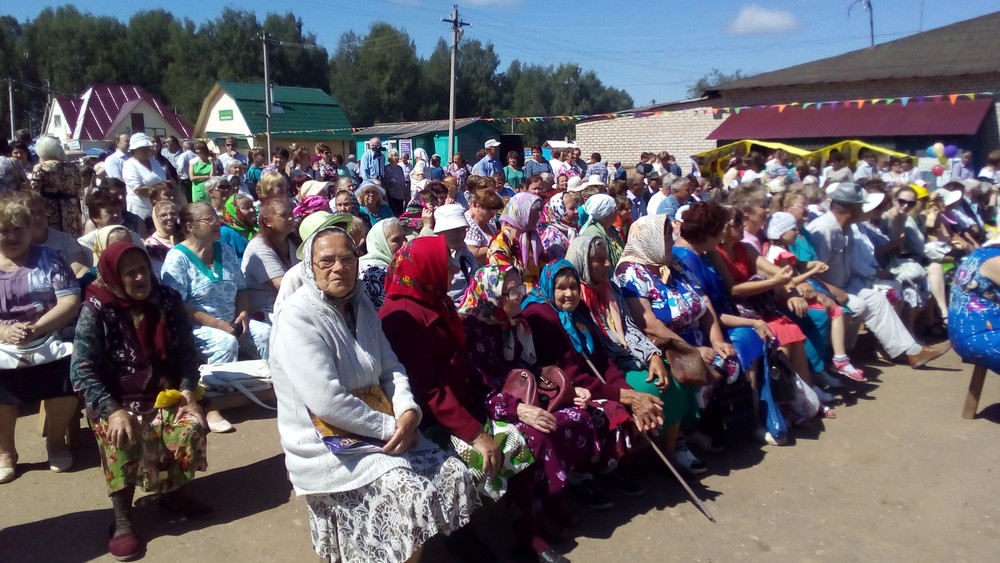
755 20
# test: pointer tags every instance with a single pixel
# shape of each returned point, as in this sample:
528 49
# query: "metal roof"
95 112
918 117
416 128
967 47
310 111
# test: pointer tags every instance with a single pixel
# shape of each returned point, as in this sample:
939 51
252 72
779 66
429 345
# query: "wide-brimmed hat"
594 180
874 200
574 184
847 193
448 217
313 187
948 197
321 220
138 141
369 184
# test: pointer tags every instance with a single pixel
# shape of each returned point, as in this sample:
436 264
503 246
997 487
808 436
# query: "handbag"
729 416
780 375
37 352
551 390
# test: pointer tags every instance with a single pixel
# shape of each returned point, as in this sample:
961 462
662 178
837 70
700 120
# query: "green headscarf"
232 217
378 245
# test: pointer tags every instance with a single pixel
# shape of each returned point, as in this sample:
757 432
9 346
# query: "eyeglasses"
517 293
209 220
906 202
329 263
229 144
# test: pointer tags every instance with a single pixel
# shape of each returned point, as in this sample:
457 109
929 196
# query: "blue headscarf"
573 323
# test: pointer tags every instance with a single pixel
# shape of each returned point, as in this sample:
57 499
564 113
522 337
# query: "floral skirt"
165 456
390 518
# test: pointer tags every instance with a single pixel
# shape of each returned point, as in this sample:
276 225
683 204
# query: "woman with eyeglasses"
200 169
207 274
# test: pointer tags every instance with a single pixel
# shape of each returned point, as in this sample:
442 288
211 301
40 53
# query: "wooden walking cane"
694 498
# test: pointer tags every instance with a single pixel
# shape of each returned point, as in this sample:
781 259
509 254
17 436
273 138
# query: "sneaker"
765 437
687 460
588 494
704 443
823 396
845 368
620 484
824 380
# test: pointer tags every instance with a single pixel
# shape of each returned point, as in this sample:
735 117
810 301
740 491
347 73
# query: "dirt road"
899 476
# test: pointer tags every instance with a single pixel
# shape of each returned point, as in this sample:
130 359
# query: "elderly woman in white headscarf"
375 490
600 211
420 164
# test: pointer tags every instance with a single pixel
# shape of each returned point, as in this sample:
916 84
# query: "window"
57 120
138 123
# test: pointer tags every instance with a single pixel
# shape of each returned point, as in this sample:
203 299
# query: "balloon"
951 151
930 152
938 170
938 149
943 159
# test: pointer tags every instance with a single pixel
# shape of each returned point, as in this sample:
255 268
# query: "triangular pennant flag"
970 96
889 100
847 104
861 103
781 108
736 110
876 100
952 98
819 105
795 104
715 111
806 105
904 100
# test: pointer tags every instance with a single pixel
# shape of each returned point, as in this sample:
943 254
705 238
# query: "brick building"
924 69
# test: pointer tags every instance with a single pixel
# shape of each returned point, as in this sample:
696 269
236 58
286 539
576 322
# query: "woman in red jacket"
563 337
422 326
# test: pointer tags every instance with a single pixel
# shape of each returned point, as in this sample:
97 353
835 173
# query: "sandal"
827 413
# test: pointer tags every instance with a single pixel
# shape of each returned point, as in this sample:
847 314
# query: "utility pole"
456 30
264 38
867 6
10 103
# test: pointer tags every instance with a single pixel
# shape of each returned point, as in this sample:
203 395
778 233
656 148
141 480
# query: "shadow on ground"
82 536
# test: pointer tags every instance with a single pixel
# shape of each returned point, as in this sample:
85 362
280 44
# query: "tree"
710 80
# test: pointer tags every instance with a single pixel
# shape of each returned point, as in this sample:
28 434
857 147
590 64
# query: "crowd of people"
443 335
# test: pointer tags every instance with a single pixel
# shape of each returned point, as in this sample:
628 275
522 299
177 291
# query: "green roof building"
303 116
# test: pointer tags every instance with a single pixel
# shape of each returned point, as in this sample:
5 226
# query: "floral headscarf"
482 301
236 220
311 204
554 215
574 323
516 214
419 272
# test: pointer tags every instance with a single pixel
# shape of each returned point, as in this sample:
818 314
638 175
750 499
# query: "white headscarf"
598 207
646 244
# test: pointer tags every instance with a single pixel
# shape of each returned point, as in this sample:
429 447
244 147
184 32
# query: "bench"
975 390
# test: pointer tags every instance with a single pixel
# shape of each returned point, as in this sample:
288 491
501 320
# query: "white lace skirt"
389 519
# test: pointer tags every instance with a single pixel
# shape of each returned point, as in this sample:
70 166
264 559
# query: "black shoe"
588 494
624 486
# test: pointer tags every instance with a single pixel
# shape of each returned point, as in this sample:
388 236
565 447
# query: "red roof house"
104 111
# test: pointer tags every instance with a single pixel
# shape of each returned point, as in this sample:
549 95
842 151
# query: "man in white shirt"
113 164
866 166
659 189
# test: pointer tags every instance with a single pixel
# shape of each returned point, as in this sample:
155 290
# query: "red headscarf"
419 272
148 320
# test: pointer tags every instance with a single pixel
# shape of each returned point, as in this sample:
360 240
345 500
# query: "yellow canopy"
714 162
850 150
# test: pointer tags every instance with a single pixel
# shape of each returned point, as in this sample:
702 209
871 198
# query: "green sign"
225 115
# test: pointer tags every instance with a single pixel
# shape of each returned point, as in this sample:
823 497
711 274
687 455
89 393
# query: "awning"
714 161
916 118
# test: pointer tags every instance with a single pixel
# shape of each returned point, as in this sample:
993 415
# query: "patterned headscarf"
516 214
573 322
236 220
311 204
646 244
419 272
554 215
482 301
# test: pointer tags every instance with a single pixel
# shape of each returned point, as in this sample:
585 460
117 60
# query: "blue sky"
653 50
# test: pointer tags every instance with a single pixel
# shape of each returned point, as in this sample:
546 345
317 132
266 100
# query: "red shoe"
845 368
124 547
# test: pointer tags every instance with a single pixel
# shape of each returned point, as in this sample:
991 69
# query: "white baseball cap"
491 143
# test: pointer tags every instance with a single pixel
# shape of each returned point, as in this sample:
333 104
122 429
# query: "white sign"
405 147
